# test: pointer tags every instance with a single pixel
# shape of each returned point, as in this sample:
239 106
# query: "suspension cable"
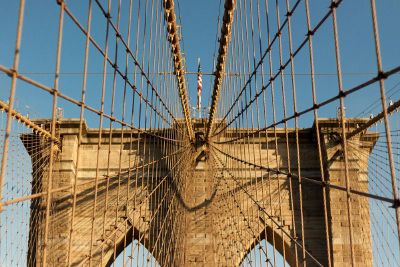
220 66
173 38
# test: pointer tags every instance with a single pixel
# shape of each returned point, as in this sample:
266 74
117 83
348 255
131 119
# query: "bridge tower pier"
203 225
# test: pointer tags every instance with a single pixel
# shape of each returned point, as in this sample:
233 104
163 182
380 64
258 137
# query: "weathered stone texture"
218 222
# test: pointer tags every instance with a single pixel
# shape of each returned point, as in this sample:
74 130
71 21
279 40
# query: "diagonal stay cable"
260 63
26 121
90 108
266 213
115 66
281 68
308 179
319 105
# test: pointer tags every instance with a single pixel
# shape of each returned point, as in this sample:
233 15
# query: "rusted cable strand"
225 37
170 18
26 121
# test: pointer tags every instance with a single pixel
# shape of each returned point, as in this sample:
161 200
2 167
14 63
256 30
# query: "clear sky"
199 28
198 20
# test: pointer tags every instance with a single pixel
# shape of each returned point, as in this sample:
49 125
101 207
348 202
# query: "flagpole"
199 87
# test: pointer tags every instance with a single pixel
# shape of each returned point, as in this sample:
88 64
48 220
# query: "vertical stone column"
199 235
60 221
358 150
63 174
37 148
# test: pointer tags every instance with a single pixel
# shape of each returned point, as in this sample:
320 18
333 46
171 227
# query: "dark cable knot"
13 71
315 106
310 33
108 15
396 203
325 184
342 94
382 75
333 5
289 13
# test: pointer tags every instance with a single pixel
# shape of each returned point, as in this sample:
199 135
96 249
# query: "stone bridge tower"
202 229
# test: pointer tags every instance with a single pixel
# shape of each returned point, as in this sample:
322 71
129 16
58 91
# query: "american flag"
199 86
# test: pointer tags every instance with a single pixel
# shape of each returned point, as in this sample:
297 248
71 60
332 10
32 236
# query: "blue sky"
199 28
